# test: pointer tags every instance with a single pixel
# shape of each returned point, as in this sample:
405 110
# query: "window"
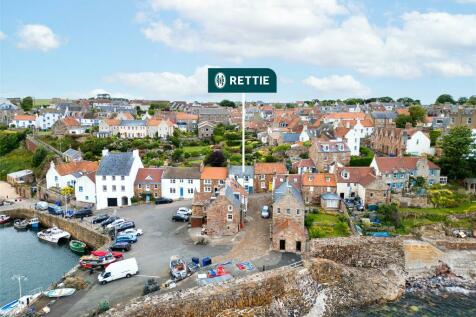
156 195
156 186
311 189
104 188
172 190
123 188
230 208
222 182
470 120
104 177
329 189
207 181
122 177
87 197
147 187
190 190
56 178
288 211
278 210
371 195
229 217
208 189
263 185
113 178
140 186
113 188
262 177
181 180
246 178
172 181
298 211
190 181
80 188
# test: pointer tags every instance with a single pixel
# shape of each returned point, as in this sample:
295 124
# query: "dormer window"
328 179
345 175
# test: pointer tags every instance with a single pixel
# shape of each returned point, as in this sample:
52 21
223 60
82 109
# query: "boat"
115 254
53 235
20 224
60 292
98 261
77 246
178 269
4 219
34 223
14 307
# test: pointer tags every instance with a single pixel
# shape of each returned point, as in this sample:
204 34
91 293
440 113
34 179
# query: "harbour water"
22 253
452 303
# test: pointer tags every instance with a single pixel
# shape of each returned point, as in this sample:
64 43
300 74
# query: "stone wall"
79 231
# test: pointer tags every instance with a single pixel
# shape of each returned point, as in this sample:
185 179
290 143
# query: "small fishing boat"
34 223
53 235
14 307
77 246
20 224
115 254
94 261
178 269
60 292
4 219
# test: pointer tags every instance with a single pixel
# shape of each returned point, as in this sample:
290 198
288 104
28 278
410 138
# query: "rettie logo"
220 80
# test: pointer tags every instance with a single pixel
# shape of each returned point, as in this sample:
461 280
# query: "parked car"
359 207
41 205
126 225
109 220
119 269
55 210
84 212
163 200
137 232
265 212
184 211
349 203
115 223
99 218
126 238
121 246
180 217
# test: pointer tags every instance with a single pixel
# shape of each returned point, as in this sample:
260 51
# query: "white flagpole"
243 97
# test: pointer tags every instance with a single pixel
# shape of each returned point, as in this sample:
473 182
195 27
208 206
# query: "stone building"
464 116
397 142
224 214
383 118
314 185
212 178
214 114
264 174
147 184
205 129
326 153
288 231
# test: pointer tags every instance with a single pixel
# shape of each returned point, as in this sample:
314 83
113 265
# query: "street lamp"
19 278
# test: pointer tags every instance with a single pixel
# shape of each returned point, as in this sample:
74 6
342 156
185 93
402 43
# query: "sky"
161 49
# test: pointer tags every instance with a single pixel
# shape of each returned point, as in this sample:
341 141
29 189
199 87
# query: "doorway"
282 245
112 202
125 201
298 246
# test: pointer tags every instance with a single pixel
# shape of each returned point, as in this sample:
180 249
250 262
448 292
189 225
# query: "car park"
137 232
184 211
163 200
84 212
126 238
99 218
115 223
265 212
121 246
109 220
180 217
126 225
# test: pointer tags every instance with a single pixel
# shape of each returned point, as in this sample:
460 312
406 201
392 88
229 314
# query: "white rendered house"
180 182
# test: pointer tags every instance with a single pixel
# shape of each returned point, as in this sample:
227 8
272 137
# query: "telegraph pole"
243 111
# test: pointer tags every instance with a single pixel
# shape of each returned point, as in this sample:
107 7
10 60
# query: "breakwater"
80 231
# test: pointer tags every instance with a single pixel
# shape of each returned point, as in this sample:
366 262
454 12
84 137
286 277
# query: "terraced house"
326 153
147 183
212 178
314 185
130 129
264 174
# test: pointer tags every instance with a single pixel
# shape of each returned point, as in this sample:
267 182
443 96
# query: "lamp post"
19 277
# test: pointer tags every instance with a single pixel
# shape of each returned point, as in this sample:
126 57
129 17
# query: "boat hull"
77 246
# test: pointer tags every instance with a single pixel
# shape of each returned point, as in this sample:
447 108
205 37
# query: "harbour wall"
80 231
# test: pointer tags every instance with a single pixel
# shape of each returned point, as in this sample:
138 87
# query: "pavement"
162 238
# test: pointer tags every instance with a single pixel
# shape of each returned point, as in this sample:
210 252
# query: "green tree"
391 214
444 99
462 100
402 120
227 103
216 159
457 145
472 100
434 135
442 197
27 104
39 156
407 101
417 113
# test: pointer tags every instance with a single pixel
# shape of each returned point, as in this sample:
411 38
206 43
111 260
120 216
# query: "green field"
195 149
41 102
326 225
16 160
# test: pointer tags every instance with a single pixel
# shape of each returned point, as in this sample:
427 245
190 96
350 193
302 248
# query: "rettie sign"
229 80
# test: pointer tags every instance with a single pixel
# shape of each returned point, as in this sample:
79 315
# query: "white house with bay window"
180 182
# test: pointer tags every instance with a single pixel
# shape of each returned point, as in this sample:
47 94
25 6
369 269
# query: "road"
162 238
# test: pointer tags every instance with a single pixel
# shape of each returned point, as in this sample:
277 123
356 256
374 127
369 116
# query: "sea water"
22 253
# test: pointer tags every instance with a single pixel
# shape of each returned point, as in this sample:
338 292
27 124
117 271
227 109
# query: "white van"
117 270
41 205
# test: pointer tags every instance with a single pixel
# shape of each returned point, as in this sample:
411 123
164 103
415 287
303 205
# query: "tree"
444 99
67 191
442 197
391 214
402 120
462 100
472 100
457 145
434 135
407 101
227 103
39 156
417 113
27 104
215 159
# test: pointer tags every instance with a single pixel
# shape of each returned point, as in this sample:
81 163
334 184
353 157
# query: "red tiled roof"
360 175
288 224
340 132
214 173
24 117
185 116
319 179
304 163
293 179
390 164
149 175
71 122
75 167
270 168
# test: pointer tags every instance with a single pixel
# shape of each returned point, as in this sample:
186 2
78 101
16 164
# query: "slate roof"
290 137
236 170
220 110
230 195
383 115
72 153
283 190
181 173
132 123
330 196
116 164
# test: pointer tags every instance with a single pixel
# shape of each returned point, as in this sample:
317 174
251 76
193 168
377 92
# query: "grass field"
41 102
326 226
195 149
16 160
